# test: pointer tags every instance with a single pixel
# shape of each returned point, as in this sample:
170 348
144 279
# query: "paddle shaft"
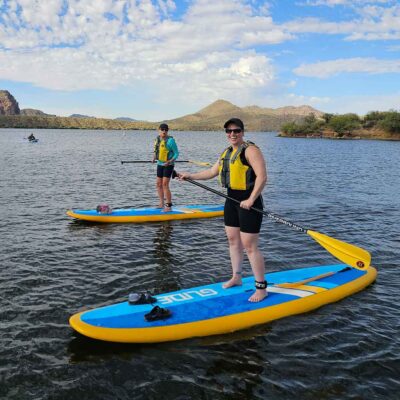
268 214
348 253
299 283
290 285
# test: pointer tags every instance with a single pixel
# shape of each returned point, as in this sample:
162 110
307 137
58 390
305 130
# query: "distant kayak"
33 140
138 215
212 310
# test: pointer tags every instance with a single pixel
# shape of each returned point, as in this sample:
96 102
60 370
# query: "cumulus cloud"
326 69
298 100
393 48
371 22
74 45
332 3
214 49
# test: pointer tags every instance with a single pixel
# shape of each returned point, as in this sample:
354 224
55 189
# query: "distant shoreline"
386 137
373 126
35 122
393 137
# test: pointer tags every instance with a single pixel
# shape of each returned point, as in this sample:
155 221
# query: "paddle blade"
348 253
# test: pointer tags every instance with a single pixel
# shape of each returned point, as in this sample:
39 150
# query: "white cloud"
360 104
326 69
74 45
298 100
166 6
370 23
393 48
237 80
333 3
216 49
38 14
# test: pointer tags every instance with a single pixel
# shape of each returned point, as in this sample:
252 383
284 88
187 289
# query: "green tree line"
345 124
42 122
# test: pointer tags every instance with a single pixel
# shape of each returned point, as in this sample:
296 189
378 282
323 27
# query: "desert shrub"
344 124
310 125
391 122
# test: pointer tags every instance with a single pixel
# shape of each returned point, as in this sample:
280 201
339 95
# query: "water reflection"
166 277
240 375
83 349
78 225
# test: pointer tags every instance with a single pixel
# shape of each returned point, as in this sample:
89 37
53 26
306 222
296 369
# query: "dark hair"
163 126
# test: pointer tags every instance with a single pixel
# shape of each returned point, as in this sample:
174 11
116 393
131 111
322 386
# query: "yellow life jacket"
161 150
234 172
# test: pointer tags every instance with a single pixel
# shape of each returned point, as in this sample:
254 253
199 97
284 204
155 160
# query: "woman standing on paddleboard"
165 153
241 169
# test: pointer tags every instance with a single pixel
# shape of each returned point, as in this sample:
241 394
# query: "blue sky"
163 59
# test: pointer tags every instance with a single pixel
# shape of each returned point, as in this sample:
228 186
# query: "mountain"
32 112
80 116
255 118
8 104
209 118
125 119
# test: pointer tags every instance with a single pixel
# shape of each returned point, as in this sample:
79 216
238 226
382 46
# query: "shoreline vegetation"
375 125
301 122
210 118
50 122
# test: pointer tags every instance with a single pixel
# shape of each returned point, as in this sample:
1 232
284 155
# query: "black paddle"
348 253
201 163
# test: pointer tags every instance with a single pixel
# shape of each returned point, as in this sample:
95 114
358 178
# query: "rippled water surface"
52 266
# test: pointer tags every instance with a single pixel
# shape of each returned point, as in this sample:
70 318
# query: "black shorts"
164 171
249 221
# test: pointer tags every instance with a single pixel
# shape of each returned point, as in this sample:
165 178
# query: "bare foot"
258 295
160 205
167 209
234 281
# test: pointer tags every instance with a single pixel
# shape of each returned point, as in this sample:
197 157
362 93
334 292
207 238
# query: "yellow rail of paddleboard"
145 218
226 324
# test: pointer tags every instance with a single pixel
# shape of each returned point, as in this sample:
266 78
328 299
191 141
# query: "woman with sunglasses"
165 153
241 169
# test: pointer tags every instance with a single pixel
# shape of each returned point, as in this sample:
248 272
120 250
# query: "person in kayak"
165 153
31 137
241 169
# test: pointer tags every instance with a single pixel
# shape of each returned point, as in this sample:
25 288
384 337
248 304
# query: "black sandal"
141 298
157 313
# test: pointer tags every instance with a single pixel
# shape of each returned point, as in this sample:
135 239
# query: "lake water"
53 266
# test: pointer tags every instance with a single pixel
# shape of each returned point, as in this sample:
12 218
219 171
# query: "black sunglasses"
236 130
164 130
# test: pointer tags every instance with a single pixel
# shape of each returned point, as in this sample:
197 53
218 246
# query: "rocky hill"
80 116
8 104
255 118
210 118
32 112
125 119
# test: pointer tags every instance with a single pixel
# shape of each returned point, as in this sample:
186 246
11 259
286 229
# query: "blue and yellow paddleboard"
138 215
212 310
